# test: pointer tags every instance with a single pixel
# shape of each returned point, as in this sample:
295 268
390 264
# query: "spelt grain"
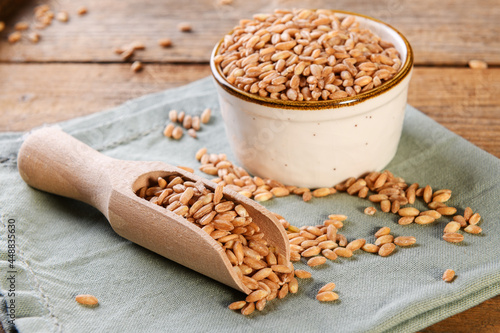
461 220
14 37
327 287
383 232
408 211
473 229
82 10
184 27
238 305
404 240
327 296
62 16
316 261
477 64
371 248
205 115
448 275
165 42
343 252
468 213
87 300
356 244
248 309
405 220
474 219
177 133
424 219
453 237
385 239
446 210
302 274
452 227
136 66
386 249
168 131
370 210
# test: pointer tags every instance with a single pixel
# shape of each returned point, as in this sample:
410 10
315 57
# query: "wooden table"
73 70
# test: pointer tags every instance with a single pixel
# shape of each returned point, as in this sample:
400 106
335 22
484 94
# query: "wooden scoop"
55 162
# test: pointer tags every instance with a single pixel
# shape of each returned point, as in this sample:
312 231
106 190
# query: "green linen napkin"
63 247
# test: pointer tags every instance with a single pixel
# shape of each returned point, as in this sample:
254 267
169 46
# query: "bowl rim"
320 104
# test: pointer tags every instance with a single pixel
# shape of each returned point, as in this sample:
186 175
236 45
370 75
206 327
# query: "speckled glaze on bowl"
318 143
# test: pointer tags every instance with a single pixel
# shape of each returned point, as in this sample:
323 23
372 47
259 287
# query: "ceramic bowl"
318 143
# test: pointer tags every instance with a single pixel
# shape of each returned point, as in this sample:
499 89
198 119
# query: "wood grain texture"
34 94
451 33
484 318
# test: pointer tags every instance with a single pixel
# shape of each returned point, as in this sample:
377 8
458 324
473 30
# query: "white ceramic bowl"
318 143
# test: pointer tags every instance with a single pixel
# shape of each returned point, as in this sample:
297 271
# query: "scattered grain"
405 240
408 211
177 133
386 249
248 309
321 192
238 305
184 27
192 133
14 37
327 287
205 115
405 220
370 248
34 37
62 16
302 274
478 64
382 232
446 210
452 227
370 210
474 219
343 252
448 275
87 300
169 129
316 261
136 66
424 219
82 10
21 26
453 237
384 240
473 229
327 296
165 42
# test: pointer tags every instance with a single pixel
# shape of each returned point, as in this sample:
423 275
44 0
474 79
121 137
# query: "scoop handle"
55 162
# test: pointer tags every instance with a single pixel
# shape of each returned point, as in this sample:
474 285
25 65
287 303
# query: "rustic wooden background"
73 70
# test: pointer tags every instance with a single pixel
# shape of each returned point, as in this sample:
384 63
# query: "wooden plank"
483 318
451 33
464 100
34 94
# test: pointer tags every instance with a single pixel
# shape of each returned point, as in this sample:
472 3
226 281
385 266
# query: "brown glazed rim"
318 105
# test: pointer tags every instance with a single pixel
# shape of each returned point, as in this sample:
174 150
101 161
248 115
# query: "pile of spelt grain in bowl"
306 55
